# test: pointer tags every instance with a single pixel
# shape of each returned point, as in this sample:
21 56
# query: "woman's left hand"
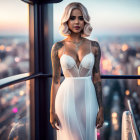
100 118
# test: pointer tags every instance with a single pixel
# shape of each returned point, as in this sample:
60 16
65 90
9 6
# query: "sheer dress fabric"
76 103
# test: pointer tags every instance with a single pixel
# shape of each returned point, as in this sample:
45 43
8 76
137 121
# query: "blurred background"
116 26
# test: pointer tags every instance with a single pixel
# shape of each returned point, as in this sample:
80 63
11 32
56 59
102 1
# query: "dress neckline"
75 61
78 67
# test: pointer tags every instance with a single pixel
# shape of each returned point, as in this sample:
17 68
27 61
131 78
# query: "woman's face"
76 21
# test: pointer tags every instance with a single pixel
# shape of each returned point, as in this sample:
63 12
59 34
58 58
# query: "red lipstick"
76 27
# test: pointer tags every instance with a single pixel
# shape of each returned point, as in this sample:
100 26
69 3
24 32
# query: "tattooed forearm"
96 73
98 88
55 62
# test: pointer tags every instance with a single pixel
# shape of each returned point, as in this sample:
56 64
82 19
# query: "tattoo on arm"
98 88
56 68
96 73
96 68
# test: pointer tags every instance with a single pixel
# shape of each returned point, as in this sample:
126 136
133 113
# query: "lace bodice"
70 68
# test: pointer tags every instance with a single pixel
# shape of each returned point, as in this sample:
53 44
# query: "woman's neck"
74 37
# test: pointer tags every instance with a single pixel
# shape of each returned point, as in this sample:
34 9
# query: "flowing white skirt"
77 107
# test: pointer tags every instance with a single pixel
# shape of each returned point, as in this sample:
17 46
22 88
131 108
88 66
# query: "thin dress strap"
90 46
64 48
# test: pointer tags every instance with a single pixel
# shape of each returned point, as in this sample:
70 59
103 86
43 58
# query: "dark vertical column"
41 41
41 62
48 42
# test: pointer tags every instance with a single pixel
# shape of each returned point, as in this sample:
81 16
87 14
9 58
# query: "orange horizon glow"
17 20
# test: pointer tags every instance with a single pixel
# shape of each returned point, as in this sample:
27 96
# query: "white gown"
76 103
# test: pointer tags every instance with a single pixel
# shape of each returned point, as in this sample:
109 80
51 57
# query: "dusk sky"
107 16
13 17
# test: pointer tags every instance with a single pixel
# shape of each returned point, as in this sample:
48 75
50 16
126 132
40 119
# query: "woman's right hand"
54 119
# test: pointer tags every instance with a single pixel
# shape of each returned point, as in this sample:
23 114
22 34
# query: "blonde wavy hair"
64 30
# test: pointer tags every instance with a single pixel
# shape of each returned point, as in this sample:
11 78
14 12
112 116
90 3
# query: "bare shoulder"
95 45
57 46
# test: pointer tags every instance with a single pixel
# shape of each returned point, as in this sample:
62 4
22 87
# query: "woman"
76 104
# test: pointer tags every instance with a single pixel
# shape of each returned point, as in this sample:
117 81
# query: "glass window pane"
116 93
14 111
14 38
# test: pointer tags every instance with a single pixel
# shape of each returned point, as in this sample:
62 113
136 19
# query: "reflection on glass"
14 112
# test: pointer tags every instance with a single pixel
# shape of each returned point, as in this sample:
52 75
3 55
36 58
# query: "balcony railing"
28 76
